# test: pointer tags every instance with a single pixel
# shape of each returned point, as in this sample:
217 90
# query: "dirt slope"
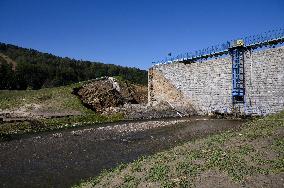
9 61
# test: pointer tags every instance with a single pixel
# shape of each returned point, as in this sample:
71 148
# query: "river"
61 159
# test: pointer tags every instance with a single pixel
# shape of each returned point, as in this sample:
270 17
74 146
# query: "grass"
254 151
158 172
58 99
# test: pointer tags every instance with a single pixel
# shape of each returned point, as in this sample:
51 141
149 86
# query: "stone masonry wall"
264 81
206 86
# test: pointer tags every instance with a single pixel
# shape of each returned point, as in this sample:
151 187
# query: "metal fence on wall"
220 49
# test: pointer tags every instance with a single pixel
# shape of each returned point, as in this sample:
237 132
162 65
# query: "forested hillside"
22 68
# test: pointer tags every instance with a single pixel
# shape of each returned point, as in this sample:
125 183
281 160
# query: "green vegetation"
54 79
58 98
49 100
37 70
158 172
237 157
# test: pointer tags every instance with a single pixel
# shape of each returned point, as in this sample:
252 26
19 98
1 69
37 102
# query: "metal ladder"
238 79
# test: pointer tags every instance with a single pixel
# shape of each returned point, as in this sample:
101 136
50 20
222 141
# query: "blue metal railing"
221 49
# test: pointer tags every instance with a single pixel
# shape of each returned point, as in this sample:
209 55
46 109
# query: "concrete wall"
206 87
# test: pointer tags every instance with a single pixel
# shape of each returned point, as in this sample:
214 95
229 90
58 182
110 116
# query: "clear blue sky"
132 32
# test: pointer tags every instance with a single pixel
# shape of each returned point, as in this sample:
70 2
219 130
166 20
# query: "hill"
22 68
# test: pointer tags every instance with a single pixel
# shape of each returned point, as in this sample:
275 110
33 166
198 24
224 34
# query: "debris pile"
107 92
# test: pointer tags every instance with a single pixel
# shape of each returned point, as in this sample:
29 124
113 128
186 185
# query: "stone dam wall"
206 87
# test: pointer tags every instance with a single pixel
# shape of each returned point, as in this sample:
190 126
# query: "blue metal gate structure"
238 79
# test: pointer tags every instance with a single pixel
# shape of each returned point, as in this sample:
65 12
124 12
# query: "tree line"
35 70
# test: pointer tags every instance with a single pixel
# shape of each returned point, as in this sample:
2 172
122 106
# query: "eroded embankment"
108 95
64 158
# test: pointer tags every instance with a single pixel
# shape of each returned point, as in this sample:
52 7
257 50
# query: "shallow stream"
45 160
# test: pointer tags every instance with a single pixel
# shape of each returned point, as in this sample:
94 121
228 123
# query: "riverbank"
33 111
250 157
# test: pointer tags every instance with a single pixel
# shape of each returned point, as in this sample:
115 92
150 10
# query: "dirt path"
62 159
9 61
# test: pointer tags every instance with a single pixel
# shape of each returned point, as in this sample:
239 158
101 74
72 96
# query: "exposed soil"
109 92
9 61
214 179
108 96
61 159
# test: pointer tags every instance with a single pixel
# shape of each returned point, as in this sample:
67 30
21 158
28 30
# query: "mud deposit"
64 158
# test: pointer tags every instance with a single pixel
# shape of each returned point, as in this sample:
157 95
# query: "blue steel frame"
238 82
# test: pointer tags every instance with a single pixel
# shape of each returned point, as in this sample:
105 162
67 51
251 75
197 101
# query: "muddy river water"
64 158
